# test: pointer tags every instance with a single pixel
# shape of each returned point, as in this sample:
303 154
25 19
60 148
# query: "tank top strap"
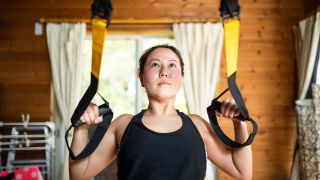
136 119
187 120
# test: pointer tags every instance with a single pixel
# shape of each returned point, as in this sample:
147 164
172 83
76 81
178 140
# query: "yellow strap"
99 32
231 42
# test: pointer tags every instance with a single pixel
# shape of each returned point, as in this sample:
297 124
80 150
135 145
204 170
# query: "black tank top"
148 155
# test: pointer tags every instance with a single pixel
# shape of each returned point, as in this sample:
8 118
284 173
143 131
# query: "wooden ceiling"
147 9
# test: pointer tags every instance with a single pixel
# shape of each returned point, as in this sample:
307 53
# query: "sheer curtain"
306 36
201 48
65 44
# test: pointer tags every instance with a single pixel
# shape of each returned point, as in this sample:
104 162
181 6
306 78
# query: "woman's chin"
165 96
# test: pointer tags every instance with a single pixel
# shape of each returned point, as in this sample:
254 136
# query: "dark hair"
145 55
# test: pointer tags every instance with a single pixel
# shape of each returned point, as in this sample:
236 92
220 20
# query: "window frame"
139 40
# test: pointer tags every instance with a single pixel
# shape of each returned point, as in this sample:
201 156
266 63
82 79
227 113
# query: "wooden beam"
131 21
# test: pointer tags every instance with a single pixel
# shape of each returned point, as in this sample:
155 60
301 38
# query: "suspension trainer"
100 20
230 15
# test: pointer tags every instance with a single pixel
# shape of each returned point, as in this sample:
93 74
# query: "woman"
161 142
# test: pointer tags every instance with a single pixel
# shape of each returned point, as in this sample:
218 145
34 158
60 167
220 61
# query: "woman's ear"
141 79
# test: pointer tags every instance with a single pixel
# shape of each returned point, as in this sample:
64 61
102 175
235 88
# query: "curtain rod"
131 21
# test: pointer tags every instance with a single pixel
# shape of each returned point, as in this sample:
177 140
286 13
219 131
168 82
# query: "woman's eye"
173 65
155 65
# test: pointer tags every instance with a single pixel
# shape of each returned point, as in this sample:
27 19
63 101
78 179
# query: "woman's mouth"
164 83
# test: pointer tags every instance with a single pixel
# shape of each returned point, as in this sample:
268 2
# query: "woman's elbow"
245 176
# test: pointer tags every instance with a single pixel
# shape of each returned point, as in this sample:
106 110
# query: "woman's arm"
242 157
102 156
235 162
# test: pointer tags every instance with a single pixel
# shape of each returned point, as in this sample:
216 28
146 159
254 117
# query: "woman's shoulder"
197 119
124 116
202 125
122 120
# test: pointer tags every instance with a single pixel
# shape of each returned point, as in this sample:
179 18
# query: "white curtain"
65 43
306 36
306 50
201 48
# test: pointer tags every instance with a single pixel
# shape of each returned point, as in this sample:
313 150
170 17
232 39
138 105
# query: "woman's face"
162 77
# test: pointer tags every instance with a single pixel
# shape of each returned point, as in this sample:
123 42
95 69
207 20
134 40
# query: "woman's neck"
161 108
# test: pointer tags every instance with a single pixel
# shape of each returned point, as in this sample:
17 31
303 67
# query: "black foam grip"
103 110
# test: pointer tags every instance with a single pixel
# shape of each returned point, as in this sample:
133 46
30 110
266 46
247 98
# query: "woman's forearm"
242 157
78 168
241 131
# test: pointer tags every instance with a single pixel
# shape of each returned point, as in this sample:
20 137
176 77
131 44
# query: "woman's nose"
163 72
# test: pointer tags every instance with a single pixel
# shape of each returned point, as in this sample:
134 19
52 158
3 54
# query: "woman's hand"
229 109
91 115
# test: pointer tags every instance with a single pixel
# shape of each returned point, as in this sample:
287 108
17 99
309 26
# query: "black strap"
244 115
229 8
215 125
102 127
101 9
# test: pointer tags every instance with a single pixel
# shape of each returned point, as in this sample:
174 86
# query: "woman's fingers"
232 111
85 118
237 111
225 107
98 118
229 108
91 115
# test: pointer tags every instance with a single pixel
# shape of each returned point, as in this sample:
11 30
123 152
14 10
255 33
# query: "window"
119 83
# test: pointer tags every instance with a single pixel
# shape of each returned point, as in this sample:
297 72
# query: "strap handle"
244 116
225 139
97 136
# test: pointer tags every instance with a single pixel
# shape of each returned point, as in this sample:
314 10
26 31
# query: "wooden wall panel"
24 67
266 73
